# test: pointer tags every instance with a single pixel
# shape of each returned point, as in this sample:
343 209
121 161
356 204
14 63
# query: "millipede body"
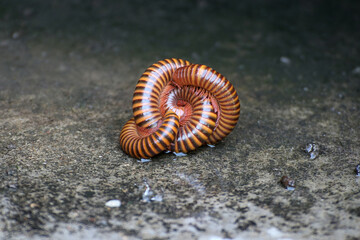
179 106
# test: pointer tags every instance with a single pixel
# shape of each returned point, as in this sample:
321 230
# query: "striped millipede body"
179 106
220 88
197 116
148 90
140 146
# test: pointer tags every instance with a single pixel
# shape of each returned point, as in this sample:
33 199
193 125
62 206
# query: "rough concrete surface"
67 73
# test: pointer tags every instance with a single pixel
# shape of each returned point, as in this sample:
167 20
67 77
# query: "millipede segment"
148 89
222 91
179 106
140 146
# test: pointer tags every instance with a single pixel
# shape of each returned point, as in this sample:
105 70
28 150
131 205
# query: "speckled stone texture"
67 73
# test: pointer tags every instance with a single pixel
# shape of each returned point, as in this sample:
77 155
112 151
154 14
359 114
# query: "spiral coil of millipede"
179 106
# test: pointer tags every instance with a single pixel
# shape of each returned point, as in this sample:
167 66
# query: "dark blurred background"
319 40
249 35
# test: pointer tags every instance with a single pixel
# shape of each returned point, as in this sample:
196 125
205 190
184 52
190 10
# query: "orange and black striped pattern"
220 88
146 147
148 90
179 106
200 123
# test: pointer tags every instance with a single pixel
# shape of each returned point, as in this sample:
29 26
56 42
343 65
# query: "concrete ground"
67 73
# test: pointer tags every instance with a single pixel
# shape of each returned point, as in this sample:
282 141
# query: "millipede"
178 107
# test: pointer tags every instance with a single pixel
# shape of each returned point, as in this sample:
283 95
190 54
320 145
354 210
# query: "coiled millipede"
179 106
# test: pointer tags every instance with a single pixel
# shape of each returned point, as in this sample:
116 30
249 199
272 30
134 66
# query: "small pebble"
288 183
34 205
313 149
73 214
212 146
285 60
113 203
357 170
12 186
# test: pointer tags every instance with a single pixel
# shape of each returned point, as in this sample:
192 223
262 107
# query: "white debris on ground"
144 160
313 149
113 203
149 195
285 60
180 154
